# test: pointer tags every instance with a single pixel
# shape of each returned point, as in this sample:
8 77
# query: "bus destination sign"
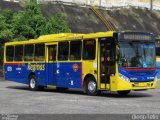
144 37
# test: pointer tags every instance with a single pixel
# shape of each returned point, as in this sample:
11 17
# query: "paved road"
16 98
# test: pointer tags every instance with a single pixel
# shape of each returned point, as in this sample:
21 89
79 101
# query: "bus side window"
157 47
89 47
28 52
52 52
39 52
75 50
63 50
18 53
9 53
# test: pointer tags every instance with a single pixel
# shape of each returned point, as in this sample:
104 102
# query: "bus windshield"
137 55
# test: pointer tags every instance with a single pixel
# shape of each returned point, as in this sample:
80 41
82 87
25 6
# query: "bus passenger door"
52 64
107 53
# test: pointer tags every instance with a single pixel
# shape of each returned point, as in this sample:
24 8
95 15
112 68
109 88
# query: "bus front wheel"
124 92
90 87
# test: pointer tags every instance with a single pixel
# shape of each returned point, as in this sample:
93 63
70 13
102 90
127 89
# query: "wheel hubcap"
92 86
32 83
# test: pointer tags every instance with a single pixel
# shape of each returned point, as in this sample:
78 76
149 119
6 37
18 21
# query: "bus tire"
90 87
33 83
124 92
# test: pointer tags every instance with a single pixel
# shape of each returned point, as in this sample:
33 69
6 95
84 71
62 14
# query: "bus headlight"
124 77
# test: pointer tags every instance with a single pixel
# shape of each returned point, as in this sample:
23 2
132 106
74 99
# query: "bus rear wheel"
33 84
90 87
124 92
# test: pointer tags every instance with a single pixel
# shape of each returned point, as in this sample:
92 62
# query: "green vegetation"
6 26
29 24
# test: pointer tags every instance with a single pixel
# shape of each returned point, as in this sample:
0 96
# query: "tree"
56 24
29 23
8 15
6 33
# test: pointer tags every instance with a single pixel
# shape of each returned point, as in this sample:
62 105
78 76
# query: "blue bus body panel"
19 73
138 75
16 73
68 76
61 74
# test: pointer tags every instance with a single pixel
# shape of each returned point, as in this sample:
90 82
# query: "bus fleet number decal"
36 66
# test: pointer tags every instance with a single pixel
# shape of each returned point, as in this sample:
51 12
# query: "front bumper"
123 85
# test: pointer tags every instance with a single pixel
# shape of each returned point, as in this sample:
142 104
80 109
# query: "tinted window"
89 49
157 47
63 49
75 50
9 53
28 52
39 52
18 53
158 51
52 52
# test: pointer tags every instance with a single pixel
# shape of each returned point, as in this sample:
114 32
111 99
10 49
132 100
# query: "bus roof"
63 37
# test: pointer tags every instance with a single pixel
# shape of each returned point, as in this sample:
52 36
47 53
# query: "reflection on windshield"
141 55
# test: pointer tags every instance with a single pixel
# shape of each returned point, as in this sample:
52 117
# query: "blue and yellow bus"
113 61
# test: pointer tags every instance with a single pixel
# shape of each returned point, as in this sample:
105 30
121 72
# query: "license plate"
136 85
141 84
